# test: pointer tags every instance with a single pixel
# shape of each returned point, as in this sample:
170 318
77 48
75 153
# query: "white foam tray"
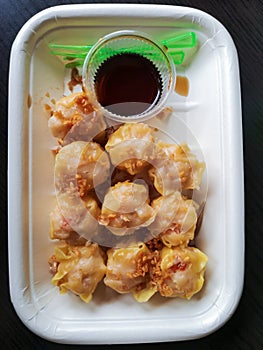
212 111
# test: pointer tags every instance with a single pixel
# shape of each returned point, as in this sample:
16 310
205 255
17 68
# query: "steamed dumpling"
164 174
128 271
83 162
61 230
175 168
93 168
78 167
131 147
70 111
126 208
180 272
87 129
59 227
175 219
79 270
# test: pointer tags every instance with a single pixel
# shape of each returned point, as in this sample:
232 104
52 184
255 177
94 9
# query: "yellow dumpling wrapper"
75 119
80 269
175 219
84 163
131 147
60 228
182 270
126 208
175 168
128 271
79 167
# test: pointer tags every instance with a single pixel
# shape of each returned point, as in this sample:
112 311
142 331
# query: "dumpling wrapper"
175 219
126 208
86 129
93 168
76 162
175 168
126 272
61 230
131 147
181 272
68 111
80 269
59 227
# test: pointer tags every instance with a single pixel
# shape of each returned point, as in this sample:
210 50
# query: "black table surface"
243 19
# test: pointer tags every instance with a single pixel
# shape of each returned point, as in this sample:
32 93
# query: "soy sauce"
128 84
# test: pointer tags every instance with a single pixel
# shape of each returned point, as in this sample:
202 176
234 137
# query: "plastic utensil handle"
178 41
177 57
181 41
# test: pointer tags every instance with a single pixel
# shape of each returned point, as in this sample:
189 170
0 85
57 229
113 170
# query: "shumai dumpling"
60 227
93 168
83 162
175 219
164 174
78 167
87 129
131 147
69 111
175 168
126 208
79 269
61 230
128 271
81 215
180 272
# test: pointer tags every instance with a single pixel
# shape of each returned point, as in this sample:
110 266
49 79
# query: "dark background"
243 19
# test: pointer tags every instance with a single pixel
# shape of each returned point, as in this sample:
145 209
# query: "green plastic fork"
75 54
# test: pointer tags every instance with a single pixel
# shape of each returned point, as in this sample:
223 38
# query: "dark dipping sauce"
128 84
